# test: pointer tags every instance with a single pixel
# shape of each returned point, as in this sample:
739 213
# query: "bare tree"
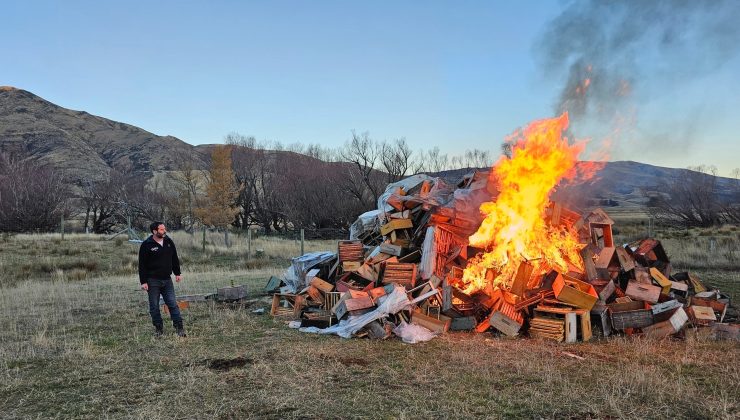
33 196
477 159
731 206
188 180
363 154
433 161
688 199
102 203
396 159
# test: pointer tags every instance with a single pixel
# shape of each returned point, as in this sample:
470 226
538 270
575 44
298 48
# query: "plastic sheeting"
389 304
412 333
295 275
428 255
366 222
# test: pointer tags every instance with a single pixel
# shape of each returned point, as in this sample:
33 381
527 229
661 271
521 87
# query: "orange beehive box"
575 292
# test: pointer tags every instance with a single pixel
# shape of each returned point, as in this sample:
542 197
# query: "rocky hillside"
83 145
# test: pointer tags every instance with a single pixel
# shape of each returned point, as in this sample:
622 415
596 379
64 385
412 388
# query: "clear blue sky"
456 75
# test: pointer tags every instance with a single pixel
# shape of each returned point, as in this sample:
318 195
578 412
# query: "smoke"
612 56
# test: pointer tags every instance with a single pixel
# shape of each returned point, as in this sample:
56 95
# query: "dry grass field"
75 342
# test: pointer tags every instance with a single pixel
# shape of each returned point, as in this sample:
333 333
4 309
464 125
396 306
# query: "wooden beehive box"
574 292
634 314
668 322
286 306
353 281
403 274
644 292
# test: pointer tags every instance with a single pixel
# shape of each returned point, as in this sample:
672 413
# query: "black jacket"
157 261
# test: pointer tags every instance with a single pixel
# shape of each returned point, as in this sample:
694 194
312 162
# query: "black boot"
158 330
180 330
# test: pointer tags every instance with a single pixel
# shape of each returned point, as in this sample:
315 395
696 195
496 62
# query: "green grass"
82 348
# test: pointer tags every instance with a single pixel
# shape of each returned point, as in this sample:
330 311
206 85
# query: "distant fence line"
67 226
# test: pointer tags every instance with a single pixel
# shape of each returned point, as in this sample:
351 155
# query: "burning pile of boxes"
404 259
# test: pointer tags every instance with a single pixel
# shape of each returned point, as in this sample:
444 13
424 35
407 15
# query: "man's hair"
154 226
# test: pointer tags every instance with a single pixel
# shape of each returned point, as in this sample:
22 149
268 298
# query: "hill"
83 145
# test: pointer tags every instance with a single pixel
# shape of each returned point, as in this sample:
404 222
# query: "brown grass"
81 346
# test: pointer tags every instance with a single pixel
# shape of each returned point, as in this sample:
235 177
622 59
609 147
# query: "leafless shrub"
33 196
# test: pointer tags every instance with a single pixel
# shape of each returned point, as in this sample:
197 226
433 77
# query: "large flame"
514 228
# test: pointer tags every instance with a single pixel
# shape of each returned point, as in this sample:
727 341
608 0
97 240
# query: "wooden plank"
430 323
556 211
396 224
571 329
584 318
523 274
588 263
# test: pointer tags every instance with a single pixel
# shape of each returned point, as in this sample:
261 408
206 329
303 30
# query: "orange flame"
514 228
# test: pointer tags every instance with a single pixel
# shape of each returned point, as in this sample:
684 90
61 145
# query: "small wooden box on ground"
232 293
182 304
717 306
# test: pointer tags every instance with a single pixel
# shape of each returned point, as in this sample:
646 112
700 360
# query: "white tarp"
295 275
366 222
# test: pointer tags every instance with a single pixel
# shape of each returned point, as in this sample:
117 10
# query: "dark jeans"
167 290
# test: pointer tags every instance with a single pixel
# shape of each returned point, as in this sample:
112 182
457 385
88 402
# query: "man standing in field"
157 260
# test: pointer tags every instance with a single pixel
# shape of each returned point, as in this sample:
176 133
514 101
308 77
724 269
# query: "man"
157 260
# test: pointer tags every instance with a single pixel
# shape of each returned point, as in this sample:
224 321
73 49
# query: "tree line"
275 188
247 184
